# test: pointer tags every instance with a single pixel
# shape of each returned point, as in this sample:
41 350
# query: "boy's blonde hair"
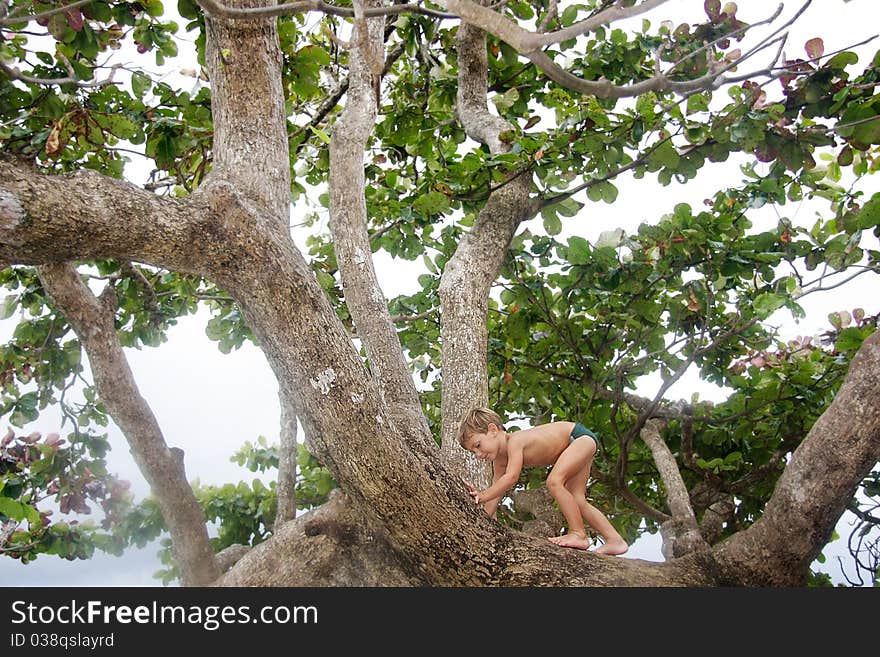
477 420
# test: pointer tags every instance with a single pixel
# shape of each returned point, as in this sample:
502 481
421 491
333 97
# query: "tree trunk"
468 276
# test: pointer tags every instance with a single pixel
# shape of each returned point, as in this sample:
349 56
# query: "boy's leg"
573 465
614 543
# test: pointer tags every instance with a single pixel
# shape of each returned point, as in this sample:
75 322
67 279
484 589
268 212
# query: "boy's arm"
506 481
491 506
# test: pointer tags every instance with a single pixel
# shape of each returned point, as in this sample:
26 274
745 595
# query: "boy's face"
485 446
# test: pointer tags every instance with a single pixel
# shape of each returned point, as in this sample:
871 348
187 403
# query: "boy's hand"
472 491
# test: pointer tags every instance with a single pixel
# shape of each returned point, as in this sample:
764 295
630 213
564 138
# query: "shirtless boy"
568 446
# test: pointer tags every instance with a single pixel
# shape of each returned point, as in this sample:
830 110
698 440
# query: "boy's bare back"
541 445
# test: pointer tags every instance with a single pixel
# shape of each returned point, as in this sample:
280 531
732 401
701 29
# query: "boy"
568 446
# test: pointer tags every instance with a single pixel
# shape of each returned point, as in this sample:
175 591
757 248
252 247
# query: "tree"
386 109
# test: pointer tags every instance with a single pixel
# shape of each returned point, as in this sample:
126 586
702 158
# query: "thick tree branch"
94 326
676 491
822 475
85 215
680 535
228 557
250 119
333 545
287 452
526 41
333 98
402 485
286 8
714 518
338 545
351 240
468 276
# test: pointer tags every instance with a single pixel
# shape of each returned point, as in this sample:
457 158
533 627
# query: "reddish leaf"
74 19
765 153
809 160
815 48
713 8
53 143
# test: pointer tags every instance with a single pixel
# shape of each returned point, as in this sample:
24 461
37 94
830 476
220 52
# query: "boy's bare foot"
613 547
572 540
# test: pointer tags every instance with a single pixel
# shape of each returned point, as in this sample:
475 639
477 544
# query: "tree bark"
244 61
87 216
333 545
285 489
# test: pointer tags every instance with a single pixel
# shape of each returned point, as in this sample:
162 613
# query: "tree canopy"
478 139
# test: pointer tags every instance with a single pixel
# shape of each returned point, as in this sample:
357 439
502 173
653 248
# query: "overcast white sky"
210 404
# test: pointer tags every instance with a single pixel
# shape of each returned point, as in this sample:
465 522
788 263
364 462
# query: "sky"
209 404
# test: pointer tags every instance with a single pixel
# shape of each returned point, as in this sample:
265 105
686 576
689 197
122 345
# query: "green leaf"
432 203
215 329
869 215
568 207
552 224
579 251
11 508
508 54
140 83
849 339
153 7
429 264
122 127
842 60
31 514
608 191
323 136
665 155
188 9
765 304
325 483
506 100
10 303
697 103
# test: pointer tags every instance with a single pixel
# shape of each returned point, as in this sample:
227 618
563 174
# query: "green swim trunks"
580 430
